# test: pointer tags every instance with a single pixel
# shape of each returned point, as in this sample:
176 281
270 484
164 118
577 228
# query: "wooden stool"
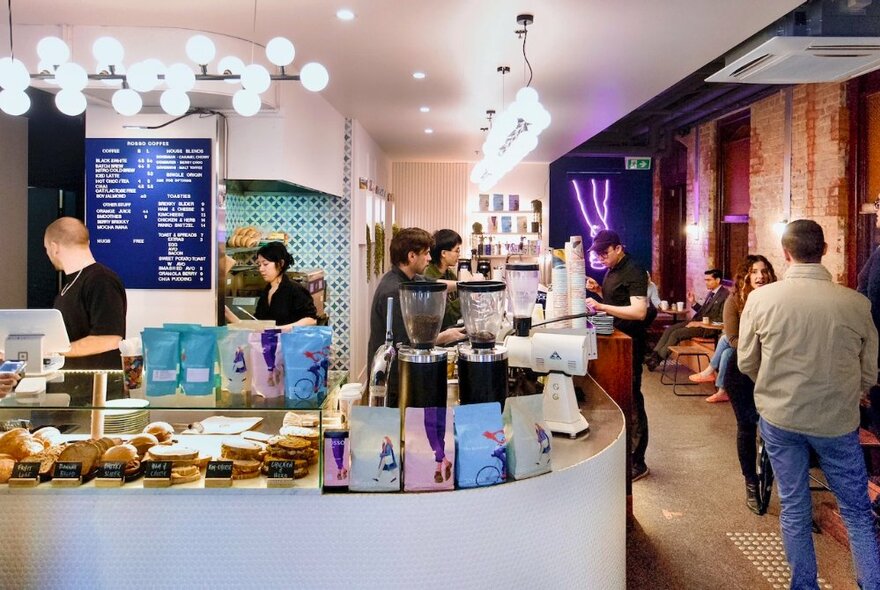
676 352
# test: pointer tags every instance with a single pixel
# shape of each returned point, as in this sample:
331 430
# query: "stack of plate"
603 323
126 416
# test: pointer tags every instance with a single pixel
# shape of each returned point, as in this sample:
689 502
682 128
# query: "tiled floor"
692 529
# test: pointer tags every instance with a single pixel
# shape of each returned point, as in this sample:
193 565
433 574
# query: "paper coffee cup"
706 320
680 306
664 305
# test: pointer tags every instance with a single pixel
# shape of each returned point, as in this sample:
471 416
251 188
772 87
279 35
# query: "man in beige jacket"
811 349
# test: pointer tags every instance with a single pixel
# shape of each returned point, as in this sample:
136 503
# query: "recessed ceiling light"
425 109
429 131
344 14
419 75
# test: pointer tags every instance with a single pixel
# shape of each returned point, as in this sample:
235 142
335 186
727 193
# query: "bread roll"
123 453
6 466
143 442
161 430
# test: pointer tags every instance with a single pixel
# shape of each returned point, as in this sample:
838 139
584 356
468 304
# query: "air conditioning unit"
802 60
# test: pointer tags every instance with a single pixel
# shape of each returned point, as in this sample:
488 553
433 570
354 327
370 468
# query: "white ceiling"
594 60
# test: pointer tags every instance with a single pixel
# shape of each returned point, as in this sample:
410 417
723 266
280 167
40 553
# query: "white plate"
124 406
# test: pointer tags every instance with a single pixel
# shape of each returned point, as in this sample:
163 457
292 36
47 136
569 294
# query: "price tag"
280 474
110 475
67 474
25 475
218 474
157 474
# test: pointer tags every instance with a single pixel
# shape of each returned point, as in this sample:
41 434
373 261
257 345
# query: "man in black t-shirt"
624 293
92 300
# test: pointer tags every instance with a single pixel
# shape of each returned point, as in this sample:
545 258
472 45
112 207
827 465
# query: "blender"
482 364
422 367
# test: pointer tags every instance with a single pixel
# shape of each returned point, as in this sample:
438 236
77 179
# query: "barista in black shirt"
624 291
92 300
287 303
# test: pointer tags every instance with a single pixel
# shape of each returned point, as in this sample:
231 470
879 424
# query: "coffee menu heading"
148 210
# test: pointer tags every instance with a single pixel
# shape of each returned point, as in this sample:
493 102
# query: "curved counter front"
565 529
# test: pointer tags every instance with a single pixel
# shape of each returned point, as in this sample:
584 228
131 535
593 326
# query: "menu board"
148 209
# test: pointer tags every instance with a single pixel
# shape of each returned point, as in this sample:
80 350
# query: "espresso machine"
482 364
422 367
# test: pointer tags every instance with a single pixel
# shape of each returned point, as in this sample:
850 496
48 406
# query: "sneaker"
639 471
653 361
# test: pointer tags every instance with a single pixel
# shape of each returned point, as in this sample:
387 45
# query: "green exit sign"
638 163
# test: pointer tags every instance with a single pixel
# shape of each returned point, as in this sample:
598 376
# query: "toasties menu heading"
148 210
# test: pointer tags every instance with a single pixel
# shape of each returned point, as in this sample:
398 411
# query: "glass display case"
257 440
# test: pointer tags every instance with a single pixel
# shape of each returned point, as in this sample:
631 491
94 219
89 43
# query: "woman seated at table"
288 303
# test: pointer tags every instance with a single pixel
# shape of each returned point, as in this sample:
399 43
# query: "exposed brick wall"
656 223
819 189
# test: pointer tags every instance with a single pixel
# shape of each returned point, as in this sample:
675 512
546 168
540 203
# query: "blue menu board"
148 209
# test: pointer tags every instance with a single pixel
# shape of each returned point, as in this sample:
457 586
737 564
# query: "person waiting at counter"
92 300
444 260
289 304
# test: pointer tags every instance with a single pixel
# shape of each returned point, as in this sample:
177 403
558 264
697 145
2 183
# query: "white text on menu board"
119 182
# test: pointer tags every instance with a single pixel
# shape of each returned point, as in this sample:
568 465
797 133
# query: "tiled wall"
320 230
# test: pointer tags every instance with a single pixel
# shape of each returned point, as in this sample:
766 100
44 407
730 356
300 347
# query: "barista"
92 300
444 259
289 304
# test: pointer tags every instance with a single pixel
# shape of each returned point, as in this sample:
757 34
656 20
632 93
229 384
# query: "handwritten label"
157 470
26 470
280 469
112 470
219 469
67 470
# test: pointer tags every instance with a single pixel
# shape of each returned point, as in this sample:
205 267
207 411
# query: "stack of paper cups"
560 295
574 257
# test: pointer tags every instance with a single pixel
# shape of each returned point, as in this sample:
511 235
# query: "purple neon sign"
594 212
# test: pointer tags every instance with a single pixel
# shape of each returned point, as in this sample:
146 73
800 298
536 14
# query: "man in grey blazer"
712 308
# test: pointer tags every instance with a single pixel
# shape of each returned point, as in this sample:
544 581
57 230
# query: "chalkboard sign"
148 210
111 470
157 470
26 470
280 469
219 469
67 470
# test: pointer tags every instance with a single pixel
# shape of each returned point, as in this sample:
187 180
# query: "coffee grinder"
482 364
422 367
522 288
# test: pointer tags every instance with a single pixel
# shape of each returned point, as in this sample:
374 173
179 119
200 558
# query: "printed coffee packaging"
233 348
528 438
430 450
161 359
267 370
375 449
306 353
480 446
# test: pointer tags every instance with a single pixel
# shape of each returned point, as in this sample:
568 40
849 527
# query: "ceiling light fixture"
419 75
344 14
150 74
429 131
425 109
515 132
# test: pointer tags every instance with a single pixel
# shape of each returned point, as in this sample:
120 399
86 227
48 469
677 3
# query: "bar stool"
675 353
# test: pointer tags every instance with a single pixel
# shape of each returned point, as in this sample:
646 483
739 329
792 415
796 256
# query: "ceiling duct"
821 41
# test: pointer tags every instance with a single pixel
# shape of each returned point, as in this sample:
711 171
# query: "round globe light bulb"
180 77
230 65
540 121
255 78
246 103
104 69
200 49
156 67
71 76
280 51
527 94
108 50
127 102
71 102
141 77
14 102
314 77
53 50
174 102
13 74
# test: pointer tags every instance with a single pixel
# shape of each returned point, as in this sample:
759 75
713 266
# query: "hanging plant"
394 229
379 251
369 252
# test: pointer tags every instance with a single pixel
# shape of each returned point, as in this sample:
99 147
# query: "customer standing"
811 348
624 293
92 300
444 258
869 286
755 272
410 253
